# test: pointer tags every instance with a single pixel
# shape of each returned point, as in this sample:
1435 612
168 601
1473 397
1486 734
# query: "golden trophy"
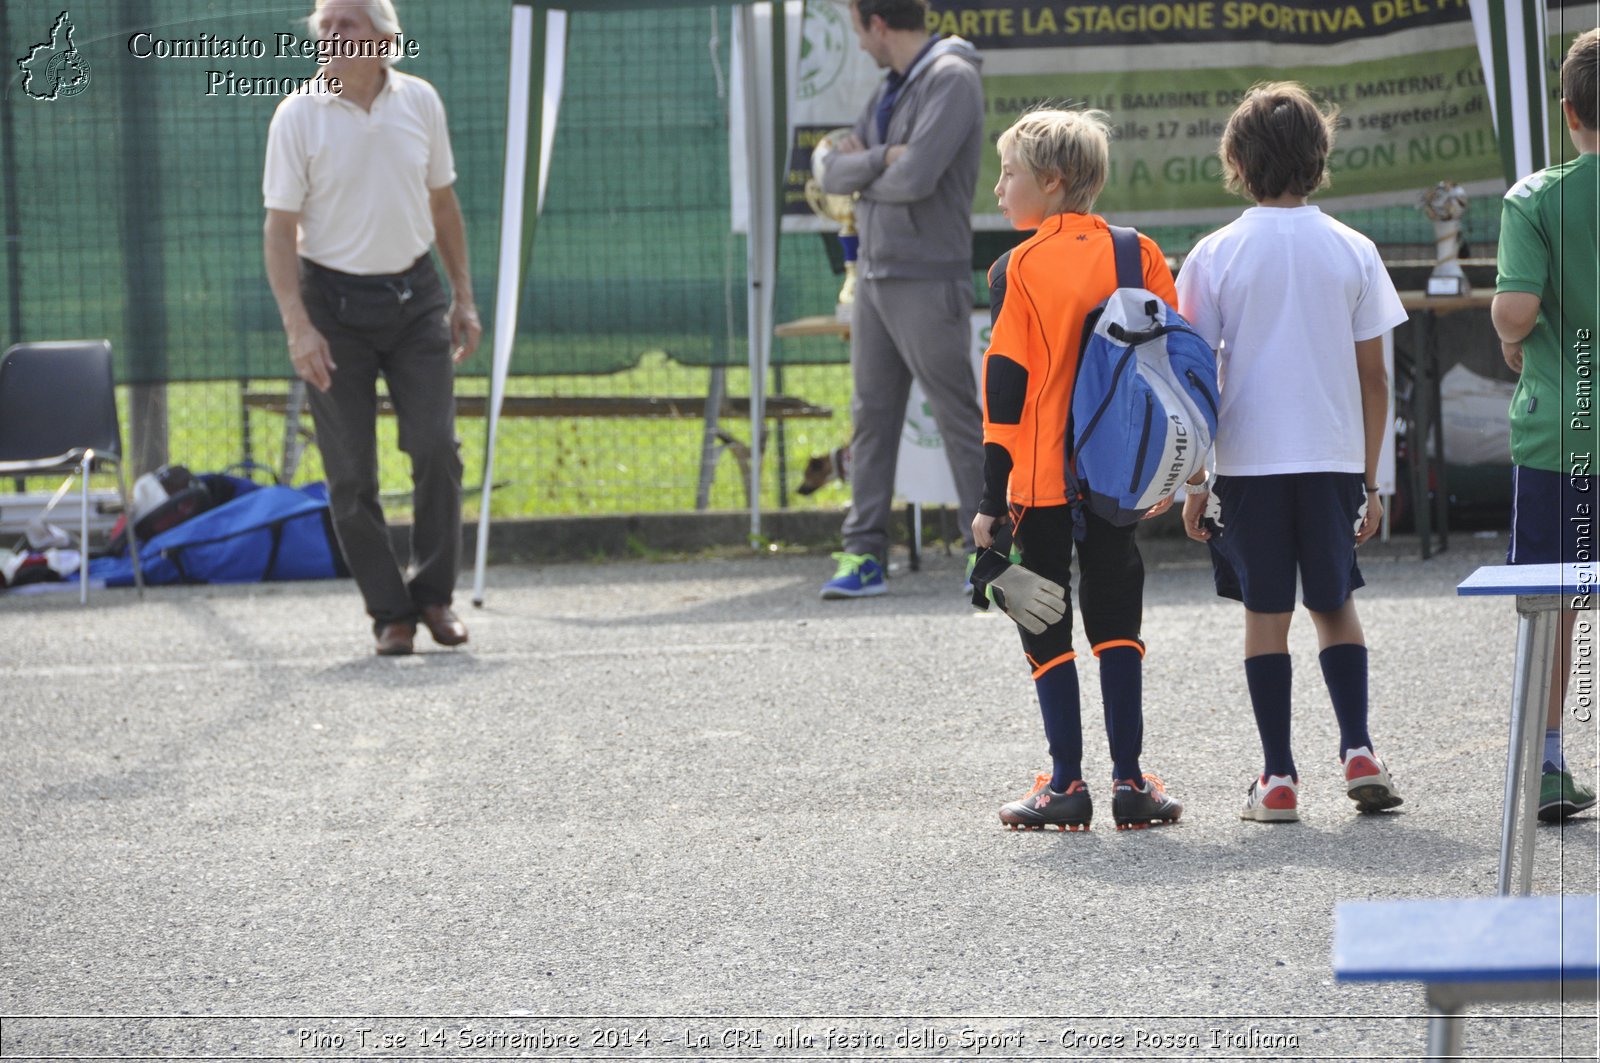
836 208
1444 204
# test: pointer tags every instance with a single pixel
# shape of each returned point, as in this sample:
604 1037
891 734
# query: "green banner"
1404 125
1404 74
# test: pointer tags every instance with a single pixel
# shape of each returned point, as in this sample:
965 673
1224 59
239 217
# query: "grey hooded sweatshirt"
915 217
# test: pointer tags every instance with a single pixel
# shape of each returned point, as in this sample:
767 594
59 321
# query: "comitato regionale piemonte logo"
55 69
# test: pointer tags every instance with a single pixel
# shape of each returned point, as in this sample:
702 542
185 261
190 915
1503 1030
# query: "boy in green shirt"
1546 311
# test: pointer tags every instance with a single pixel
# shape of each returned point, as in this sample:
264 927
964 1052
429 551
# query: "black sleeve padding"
1005 389
996 475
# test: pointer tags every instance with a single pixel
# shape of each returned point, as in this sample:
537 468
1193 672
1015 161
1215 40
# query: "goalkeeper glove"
1026 597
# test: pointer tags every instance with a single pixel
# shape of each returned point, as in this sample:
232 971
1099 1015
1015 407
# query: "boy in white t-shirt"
1297 304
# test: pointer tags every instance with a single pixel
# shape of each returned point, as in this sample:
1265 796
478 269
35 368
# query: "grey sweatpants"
371 331
903 329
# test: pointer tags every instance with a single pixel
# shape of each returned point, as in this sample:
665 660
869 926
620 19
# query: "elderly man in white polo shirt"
358 185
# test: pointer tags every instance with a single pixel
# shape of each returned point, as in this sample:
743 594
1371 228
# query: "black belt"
373 280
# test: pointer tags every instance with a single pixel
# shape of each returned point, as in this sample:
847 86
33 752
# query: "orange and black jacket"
1039 293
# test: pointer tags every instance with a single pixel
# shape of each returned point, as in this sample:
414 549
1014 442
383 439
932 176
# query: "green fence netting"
133 208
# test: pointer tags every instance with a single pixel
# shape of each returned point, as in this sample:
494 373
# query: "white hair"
384 19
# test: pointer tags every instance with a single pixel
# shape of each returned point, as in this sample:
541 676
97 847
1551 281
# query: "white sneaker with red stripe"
1367 781
1272 799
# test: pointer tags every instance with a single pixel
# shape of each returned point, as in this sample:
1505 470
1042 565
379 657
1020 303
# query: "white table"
1542 592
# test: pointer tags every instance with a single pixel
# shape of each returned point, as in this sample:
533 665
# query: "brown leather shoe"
394 640
445 627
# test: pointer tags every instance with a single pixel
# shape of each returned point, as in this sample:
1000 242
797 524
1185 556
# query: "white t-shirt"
360 179
1285 293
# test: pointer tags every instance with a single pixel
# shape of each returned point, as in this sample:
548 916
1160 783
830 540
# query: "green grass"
549 466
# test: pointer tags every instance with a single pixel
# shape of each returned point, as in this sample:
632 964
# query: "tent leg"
83 529
914 518
293 446
781 457
709 449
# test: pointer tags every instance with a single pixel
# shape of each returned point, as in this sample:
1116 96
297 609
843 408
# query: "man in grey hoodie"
913 157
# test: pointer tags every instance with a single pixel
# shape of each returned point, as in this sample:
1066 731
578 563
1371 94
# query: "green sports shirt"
1550 247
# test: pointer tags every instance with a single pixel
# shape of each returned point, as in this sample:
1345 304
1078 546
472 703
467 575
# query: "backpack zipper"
1201 391
1144 445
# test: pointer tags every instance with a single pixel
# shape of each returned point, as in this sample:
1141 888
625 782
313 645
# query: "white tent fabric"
794 36
1511 45
513 195
758 74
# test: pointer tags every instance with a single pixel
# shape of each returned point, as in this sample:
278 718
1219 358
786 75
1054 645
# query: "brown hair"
1277 142
1580 85
896 14
1071 145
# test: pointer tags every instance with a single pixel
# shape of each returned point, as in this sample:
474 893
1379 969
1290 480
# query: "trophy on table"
836 208
1444 204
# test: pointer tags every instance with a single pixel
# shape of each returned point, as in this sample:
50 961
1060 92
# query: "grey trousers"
374 327
903 329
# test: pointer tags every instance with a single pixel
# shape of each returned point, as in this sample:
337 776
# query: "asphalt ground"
688 810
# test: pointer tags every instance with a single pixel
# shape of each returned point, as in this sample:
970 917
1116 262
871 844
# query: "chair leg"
133 539
83 529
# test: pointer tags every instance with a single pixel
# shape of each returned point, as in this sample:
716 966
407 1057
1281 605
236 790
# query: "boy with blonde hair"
1297 304
1053 165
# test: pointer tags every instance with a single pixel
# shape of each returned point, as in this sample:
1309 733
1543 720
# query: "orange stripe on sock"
1135 643
1070 655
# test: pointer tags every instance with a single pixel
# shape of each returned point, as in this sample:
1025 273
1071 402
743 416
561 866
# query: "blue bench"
1542 592
1478 951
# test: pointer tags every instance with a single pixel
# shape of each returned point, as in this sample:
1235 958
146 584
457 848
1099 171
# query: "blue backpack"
1144 403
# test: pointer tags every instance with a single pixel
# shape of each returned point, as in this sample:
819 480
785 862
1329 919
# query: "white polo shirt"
360 179
1286 293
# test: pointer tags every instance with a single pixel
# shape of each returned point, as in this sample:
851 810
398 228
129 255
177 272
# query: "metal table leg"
1444 1034
1537 621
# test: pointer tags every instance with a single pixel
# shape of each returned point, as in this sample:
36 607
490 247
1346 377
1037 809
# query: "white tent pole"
508 289
761 257
762 69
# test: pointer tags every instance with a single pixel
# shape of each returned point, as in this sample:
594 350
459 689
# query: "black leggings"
1111 580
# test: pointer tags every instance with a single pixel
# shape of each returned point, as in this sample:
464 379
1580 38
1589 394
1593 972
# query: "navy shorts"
1271 526
1552 517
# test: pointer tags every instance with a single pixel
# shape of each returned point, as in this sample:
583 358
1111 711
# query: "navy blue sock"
1553 760
1270 678
1061 707
1344 668
1122 692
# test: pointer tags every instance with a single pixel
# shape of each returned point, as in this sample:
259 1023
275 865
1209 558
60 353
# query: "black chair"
58 414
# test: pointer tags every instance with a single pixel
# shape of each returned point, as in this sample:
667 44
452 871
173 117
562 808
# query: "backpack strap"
1130 259
1130 274
997 285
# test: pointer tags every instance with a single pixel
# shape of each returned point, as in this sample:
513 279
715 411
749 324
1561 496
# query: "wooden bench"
712 408
1471 951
